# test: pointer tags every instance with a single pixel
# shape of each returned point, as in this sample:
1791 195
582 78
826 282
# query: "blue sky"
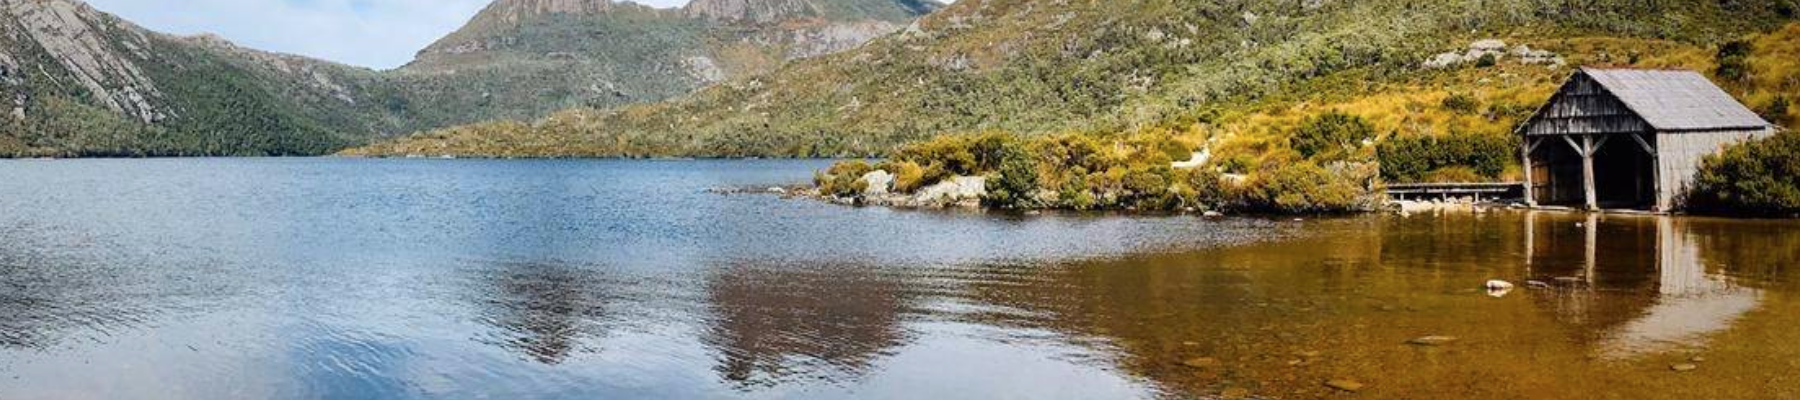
379 34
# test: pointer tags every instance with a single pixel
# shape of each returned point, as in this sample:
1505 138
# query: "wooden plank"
1592 196
1644 144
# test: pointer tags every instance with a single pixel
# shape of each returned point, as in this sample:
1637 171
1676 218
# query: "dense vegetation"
1761 177
1198 69
1451 125
205 96
1077 171
1756 178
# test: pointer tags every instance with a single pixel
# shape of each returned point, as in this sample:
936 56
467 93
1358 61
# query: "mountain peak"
769 11
758 11
513 11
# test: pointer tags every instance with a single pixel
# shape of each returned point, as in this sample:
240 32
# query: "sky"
380 34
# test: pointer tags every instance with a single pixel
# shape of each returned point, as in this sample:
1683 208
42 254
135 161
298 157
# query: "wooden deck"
1478 191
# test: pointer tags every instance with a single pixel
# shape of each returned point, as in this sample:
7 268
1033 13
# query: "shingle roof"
1676 100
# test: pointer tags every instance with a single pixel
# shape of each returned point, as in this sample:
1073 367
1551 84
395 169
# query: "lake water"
351 279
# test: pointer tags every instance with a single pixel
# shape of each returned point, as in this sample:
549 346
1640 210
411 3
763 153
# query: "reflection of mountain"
773 325
543 310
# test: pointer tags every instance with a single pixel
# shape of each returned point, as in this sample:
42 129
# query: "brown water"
351 279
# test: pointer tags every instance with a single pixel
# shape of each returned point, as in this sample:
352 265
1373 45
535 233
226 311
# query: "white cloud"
373 33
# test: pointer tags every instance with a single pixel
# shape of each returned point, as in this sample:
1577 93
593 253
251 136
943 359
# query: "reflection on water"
488 279
545 311
776 325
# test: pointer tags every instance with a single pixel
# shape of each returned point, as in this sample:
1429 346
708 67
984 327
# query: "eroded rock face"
704 69
837 37
755 11
512 12
74 35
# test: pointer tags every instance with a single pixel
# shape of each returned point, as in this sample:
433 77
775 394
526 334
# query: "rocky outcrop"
753 11
837 37
956 192
75 35
1494 50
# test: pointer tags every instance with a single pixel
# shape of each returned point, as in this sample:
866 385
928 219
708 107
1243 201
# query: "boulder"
961 191
879 183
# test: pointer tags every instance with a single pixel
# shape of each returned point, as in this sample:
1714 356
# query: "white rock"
954 191
879 183
1196 161
1499 284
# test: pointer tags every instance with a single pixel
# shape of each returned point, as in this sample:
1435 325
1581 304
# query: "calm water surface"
334 278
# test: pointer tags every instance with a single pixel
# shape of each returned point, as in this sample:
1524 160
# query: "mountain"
1214 69
75 81
521 59
78 81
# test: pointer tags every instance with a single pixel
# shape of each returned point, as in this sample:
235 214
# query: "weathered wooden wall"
1679 155
1583 107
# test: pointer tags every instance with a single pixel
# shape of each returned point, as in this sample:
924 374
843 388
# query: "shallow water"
335 278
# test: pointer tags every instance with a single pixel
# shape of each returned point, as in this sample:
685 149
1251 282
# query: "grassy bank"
1331 144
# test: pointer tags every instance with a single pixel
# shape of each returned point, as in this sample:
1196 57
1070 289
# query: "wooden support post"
1591 197
1525 156
1655 173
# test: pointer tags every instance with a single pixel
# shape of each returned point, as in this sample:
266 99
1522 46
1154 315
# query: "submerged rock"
1344 385
1432 340
1201 362
1683 367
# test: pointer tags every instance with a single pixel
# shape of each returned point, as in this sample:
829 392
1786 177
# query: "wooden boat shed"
1624 138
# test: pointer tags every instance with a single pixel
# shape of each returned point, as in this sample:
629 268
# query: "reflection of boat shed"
1629 138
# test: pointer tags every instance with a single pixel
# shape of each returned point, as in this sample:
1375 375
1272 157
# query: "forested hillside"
1235 73
522 59
75 81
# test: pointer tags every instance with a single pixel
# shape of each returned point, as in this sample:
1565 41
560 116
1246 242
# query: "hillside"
521 59
78 81
75 81
1202 70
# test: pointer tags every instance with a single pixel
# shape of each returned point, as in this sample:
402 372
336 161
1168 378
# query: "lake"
350 279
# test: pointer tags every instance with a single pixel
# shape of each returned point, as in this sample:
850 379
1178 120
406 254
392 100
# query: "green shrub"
1733 60
908 176
1454 174
1302 187
1331 135
1462 103
1411 159
1487 60
1755 178
843 179
1777 110
1018 175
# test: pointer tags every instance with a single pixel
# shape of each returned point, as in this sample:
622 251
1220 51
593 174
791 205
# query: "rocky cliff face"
100 54
77 81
